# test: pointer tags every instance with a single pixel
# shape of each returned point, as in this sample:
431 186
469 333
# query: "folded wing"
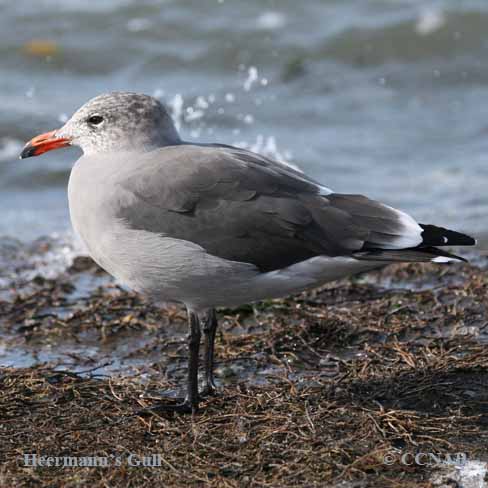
241 206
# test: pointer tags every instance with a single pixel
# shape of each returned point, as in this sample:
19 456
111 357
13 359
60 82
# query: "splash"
50 256
138 24
47 257
271 21
9 148
176 107
195 115
252 77
429 21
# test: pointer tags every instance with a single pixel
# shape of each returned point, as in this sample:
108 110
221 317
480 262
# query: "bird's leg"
190 403
209 329
194 336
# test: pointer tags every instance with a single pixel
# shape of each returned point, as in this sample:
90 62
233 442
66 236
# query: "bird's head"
113 122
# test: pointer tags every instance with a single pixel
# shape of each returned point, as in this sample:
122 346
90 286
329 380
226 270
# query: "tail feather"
439 236
427 250
413 255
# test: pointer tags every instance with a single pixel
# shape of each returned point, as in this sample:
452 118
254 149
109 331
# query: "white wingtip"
412 235
444 259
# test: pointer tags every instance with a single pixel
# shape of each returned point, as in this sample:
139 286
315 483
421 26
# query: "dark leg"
190 403
193 349
209 329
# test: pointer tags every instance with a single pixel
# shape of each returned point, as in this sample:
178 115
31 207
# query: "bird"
211 225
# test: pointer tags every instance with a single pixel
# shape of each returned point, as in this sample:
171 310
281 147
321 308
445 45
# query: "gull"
212 225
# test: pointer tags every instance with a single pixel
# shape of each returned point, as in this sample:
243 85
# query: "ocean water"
388 98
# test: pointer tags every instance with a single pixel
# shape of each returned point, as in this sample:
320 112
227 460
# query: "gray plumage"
243 207
235 209
211 225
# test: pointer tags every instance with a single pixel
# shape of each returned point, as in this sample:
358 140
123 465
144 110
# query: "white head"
112 122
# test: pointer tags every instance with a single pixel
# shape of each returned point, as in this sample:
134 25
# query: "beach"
380 379
339 386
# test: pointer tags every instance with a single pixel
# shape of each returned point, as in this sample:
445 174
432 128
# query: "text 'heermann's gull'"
211 225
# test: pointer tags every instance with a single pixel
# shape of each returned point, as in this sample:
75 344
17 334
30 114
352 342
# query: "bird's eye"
95 119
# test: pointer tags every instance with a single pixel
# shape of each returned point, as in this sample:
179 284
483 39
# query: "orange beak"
43 143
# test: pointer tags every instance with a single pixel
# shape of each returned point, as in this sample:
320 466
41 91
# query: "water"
383 97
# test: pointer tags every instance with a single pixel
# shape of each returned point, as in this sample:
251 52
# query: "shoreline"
315 389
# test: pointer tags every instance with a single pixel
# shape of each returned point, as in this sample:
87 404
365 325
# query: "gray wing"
244 207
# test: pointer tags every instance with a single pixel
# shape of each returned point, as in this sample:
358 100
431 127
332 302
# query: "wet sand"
320 389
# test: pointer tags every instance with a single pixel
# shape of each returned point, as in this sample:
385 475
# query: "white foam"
9 148
47 257
271 20
252 77
82 5
429 21
176 106
193 114
138 24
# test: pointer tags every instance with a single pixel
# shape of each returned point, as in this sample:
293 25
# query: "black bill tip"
28 152
44 143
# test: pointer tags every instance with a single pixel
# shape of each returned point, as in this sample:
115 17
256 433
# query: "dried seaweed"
318 387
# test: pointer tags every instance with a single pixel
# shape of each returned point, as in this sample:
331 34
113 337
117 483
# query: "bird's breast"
90 195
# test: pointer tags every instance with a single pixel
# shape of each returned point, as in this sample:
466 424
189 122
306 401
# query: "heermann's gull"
211 225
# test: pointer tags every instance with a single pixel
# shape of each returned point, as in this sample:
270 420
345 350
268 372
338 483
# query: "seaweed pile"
328 388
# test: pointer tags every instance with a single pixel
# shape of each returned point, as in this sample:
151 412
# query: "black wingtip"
411 255
439 236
